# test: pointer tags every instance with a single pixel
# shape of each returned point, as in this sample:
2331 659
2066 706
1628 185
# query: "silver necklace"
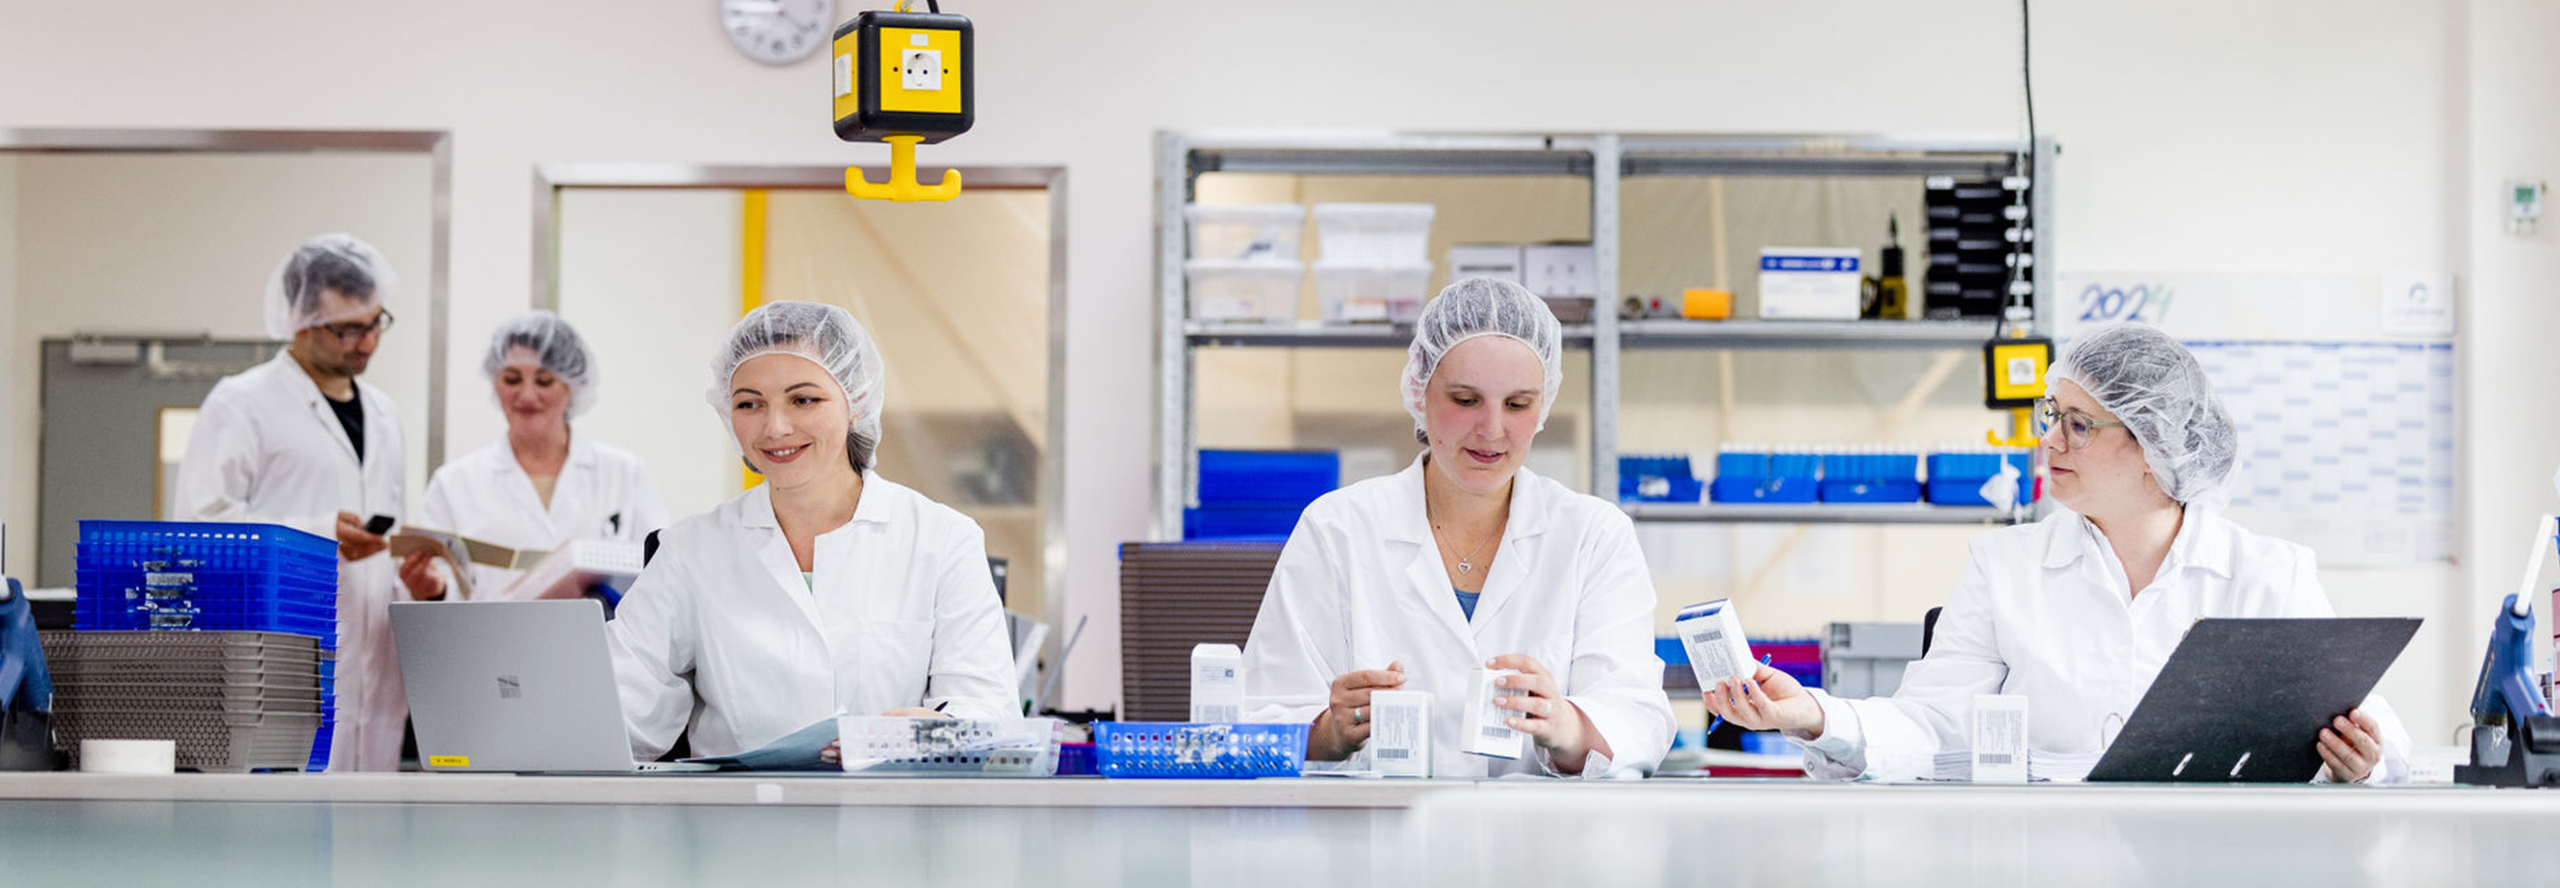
1466 565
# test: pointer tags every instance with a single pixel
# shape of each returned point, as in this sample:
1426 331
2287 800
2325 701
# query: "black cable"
2026 166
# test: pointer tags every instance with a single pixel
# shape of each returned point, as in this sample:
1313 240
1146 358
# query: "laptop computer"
514 686
2243 701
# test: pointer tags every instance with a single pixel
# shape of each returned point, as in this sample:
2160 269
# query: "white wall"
2282 135
185 243
19 519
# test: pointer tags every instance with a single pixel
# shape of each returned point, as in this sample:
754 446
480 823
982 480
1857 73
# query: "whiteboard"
2343 387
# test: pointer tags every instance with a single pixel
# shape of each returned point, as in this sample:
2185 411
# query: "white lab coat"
603 493
2045 611
1360 584
266 448
722 635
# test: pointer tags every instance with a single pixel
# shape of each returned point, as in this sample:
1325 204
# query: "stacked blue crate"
191 576
1751 475
1258 494
1871 476
1657 479
1956 476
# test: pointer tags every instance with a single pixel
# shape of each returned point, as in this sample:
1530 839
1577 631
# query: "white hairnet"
1474 307
824 334
2156 387
542 340
329 262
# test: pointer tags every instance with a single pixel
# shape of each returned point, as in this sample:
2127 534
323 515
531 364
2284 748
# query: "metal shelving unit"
1606 160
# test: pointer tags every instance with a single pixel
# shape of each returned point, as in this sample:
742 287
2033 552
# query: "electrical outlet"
921 70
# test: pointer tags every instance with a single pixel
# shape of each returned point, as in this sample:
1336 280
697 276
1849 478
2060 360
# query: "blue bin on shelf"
1763 477
1871 478
1198 751
1955 479
1657 479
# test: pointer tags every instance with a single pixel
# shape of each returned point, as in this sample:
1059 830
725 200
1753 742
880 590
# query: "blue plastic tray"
1198 751
1230 522
1893 490
1763 490
1267 476
212 546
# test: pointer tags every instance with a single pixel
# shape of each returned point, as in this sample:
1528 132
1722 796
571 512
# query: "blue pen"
1717 721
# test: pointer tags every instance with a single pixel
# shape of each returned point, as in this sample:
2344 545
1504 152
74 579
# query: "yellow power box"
2013 371
1701 304
904 74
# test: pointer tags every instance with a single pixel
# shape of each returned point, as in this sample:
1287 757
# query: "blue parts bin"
1956 476
1745 475
1871 475
1192 750
1657 479
1257 494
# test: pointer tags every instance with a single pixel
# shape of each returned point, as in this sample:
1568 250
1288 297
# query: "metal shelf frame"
1606 160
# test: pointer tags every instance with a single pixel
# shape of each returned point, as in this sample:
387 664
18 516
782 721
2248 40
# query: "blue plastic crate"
1657 479
1763 490
1075 759
1199 751
213 546
1268 476
111 611
1240 522
1879 490
1955 479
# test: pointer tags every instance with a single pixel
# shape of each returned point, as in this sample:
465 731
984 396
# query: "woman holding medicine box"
2078 612
1467 561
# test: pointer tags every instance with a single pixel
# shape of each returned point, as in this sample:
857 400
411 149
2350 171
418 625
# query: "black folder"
2243 701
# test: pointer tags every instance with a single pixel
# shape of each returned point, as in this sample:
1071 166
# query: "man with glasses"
297 442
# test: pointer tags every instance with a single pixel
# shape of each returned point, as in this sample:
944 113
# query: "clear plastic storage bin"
1246 231
1244 290
1372 293
1373 233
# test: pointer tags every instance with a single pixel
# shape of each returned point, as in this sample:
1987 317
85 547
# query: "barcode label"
1498 733
1395 754
1710 646
1997 758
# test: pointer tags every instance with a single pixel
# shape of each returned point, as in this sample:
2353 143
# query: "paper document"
575 569
796 751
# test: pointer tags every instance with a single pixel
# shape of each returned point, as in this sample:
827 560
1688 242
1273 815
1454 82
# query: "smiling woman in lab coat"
541 487
827 589
1464 561
2079 611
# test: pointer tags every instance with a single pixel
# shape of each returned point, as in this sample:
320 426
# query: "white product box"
1499 263
1217 684
1246 231
1373 233
1999 738
1371 293
1561 271
1244 289
1400 733
1712 634
1489 732
1809 283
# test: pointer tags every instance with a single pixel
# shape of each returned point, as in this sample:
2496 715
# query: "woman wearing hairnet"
541 487
1466 561
2079 611
827 589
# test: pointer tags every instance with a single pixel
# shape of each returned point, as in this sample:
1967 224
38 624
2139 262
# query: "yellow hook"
2023 419
902 185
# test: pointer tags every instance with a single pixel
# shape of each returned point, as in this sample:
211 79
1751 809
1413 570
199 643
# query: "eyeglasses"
2077 427
350 334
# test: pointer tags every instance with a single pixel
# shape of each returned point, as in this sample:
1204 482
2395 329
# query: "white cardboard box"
1217 684
1566 271
1400 733
1499 263
1999 738
1712 634
1809 283
1489 732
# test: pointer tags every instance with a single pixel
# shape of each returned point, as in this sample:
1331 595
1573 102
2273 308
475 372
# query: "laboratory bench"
680 829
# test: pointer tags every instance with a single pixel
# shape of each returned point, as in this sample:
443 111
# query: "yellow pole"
751 244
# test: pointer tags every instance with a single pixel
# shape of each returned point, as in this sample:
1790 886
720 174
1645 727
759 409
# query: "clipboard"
2243 701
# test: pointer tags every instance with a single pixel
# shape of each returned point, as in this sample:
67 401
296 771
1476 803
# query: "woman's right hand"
1769 701
418 572
1343 727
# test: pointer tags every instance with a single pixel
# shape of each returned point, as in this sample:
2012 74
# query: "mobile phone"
378 525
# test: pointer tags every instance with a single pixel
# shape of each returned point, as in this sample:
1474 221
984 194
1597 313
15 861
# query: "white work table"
274 830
